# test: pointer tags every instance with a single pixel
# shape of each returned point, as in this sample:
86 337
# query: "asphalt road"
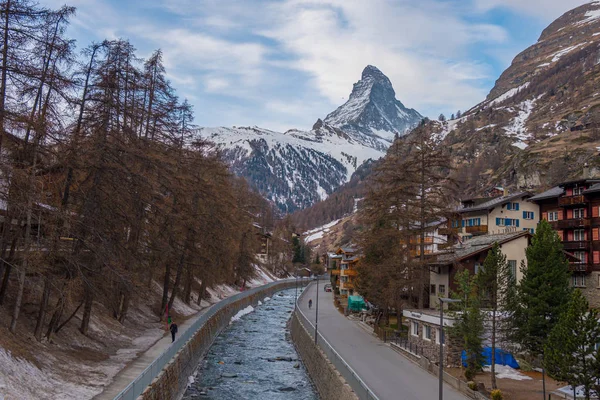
387 373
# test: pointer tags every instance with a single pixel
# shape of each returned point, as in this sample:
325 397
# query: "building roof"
593 189
474 246
488 205
348 249
556 191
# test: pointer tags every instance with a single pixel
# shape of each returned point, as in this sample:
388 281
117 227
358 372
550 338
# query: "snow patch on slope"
510 93
516 128
556 56
318 233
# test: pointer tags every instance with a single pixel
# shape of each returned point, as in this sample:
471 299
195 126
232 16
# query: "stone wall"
172 381
328 381
591 291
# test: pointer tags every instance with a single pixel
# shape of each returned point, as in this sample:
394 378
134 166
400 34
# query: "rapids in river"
253 358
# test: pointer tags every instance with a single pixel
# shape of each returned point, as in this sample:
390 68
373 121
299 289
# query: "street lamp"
442 339
317 311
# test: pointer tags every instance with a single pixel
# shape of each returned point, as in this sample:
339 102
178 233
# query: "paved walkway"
387 373
125 376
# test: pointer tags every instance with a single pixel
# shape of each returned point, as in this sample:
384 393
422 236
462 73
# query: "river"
254 359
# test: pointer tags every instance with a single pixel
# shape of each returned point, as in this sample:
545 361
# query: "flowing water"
254 359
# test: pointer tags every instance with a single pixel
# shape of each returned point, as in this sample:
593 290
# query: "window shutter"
569 214
570 236
497 221
545 216
517 206
585 213
478 221
596 257
570 192
595 234
524 214
509 206
532 213
560 235
560 214
595 211
517 222
463 223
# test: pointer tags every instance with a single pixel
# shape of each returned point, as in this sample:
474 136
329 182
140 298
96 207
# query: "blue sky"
281 64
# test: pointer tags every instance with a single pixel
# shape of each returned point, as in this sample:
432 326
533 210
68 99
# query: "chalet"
573 210
347 271
471 255
511 212
333 264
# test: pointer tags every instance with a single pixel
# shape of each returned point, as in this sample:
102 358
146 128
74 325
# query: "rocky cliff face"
541 121
295 169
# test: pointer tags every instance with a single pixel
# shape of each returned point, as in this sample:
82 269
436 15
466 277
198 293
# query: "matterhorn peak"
372 115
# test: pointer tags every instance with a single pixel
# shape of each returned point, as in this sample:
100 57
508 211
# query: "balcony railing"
349 272
571 200
476 230
447 231
334 272
571 223
576 245
579 267
347 285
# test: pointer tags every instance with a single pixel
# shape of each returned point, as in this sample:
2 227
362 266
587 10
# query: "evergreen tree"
469 322
442 117
569 352
494 282
542 294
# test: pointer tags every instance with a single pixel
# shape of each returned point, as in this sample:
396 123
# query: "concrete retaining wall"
172 381
329 383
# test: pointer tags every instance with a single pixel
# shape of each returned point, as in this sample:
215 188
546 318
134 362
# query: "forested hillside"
103 189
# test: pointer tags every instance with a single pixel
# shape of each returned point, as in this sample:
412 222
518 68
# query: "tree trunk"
4 71
42 311
177 280
165 295
187 293
87 310
202 291
18 301
125 306
8 269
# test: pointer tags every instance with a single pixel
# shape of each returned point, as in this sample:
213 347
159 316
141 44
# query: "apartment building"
508 213
573 210
347 272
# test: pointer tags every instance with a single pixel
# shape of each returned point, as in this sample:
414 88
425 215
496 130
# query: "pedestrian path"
137 366
387 373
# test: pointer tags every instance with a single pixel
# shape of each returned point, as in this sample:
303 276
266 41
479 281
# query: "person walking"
173 330
309 304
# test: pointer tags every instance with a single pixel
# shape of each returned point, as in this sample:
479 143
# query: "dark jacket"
173 328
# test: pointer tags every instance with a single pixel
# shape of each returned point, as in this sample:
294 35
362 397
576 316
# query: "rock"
297 365
237 362
227 375
286 389
221 362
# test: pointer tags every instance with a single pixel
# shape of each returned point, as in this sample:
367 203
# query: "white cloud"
427 61
546 10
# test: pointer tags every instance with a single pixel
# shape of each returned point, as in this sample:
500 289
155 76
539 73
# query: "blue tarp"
502 358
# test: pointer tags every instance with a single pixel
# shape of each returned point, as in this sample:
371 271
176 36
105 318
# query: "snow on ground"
508 94
516 127
556 56
241 313
318 233
506 372
262 278
266 299
591 16
447 127
485 127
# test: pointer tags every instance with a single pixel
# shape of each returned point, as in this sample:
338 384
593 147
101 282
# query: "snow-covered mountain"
295 169
372 115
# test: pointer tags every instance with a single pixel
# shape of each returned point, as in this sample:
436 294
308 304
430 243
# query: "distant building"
348 271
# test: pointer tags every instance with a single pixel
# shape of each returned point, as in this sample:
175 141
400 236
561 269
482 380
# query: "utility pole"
317 311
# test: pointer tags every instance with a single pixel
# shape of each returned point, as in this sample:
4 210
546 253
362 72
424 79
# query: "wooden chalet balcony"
348 285
447 231
334 272
580 267
571 200
476 230
595 221
349 272
576 245
571 223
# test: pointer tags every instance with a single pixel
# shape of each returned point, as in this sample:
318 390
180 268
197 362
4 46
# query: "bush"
470 374
472 385
496 394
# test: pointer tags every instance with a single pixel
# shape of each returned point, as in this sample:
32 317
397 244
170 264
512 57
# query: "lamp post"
442 339
317 311
296 294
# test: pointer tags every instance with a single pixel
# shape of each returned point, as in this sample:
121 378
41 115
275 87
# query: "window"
442 289
415 328
512 267
528 215
500 221
478 268
577 190
511 222
473 222
580 256
578 280
438 336
578 213
432 292
512 206
530 230
426 332
579 235
553 216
